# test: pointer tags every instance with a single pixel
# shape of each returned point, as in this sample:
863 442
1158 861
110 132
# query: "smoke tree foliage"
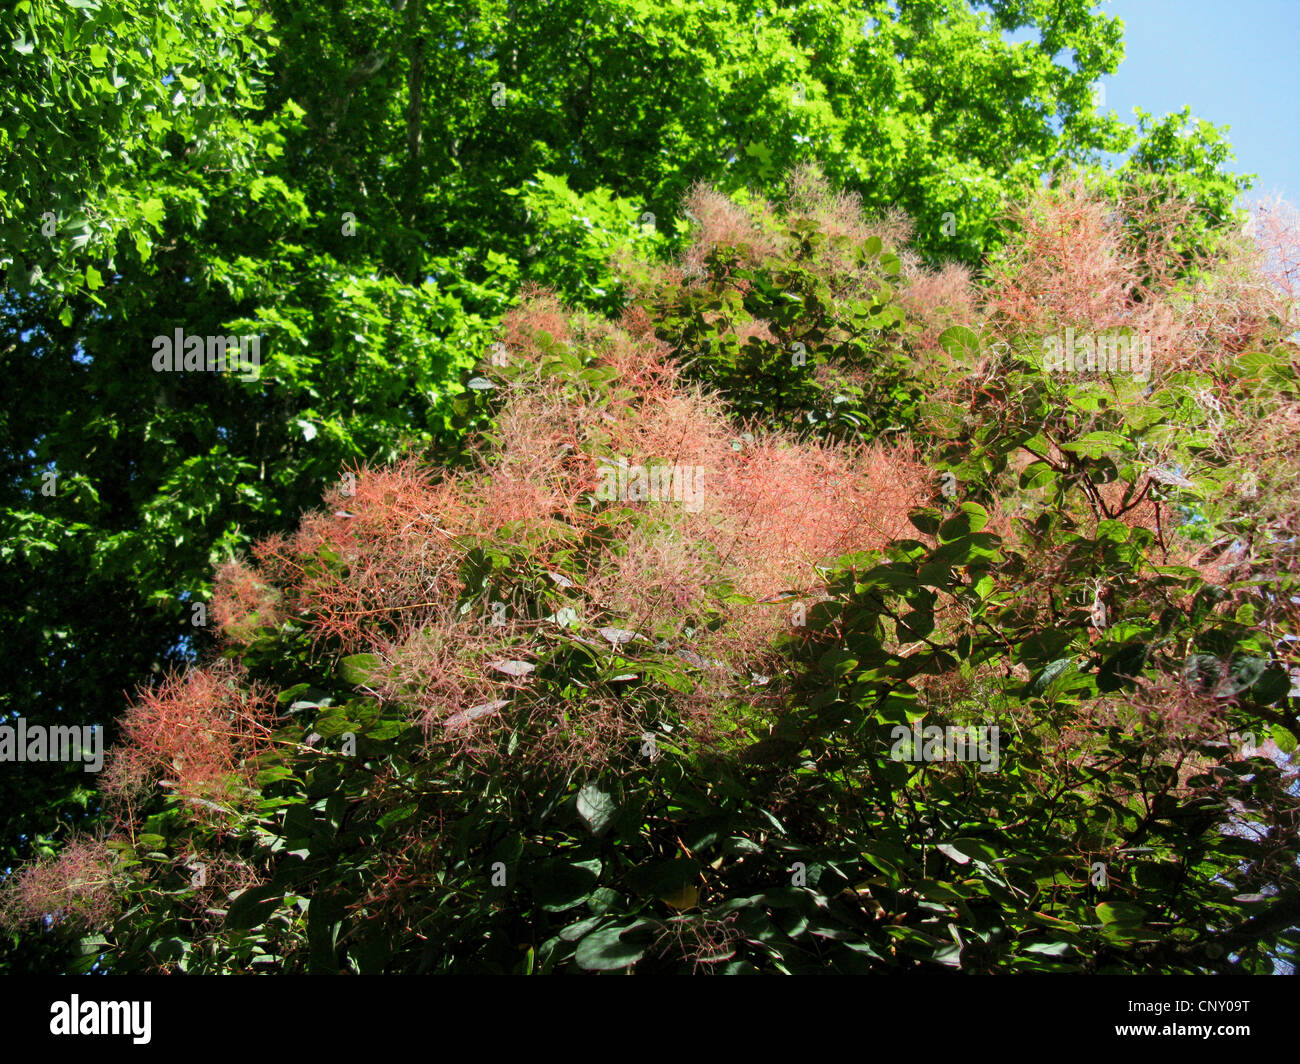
366 188
484 715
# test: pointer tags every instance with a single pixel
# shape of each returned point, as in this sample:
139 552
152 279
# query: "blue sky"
1234 62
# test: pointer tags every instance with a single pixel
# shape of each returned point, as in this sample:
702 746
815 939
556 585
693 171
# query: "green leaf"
970 518
1244 673
606 951
1053 922
153 211
837 662
575 931
958 340
253 907
1051 949
1096 444
597 808
1121 913
1285 740
926 521
1120 669
360 669
563 884
1049 674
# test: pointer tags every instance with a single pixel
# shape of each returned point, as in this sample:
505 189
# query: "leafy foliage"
527 726
367 189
